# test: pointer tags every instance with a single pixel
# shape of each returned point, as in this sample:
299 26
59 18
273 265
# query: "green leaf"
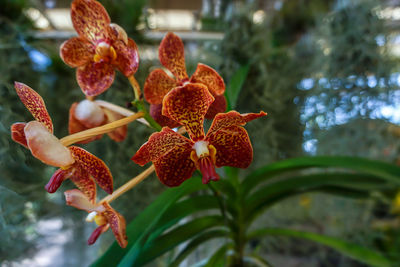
174 238
236 84
143 224
354 251
219 257
273 192
389 172
195 242
184 208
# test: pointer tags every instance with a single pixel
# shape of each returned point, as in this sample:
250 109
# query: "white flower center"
89 112
91 216
201 148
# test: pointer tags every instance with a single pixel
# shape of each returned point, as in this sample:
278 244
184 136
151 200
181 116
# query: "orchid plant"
174 100
101 47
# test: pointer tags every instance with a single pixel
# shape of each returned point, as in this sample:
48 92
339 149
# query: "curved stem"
129 185
77 137
136 87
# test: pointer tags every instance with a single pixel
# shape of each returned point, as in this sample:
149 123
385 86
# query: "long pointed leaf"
173 238
354 251
199 240
380 169
219 257
270 193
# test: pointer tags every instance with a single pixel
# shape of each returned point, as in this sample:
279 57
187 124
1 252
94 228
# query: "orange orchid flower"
176 157
103 215
158 83
88 114
99 48
75 163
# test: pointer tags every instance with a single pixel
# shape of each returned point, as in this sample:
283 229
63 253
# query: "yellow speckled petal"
157 85
94 166
84 182
233 147
210 78
232 118
117 224
127 59
172 56
34 103
160 144
90 20
188 105
175 166
76 52
94 78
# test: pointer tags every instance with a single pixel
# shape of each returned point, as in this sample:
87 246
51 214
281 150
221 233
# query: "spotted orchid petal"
175 166
76 52
158 145
232 118
172 56
90 20
218 106
94 166
233 147
45 146
79 200
188 105
75 126
117 224
94 78
18 134
120 133
155 113
157 85
170 153
127 60
34 103
119 33
210 78
84 182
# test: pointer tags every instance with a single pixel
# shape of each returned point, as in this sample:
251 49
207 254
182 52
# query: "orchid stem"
129 185
81 136
120 110
138 102
136 87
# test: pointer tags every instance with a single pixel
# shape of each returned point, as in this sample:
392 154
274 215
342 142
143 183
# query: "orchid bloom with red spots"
176 157
158 83
100 47
103 215
83 168
88 114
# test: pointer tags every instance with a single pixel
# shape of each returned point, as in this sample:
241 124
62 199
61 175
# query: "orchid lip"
207 168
